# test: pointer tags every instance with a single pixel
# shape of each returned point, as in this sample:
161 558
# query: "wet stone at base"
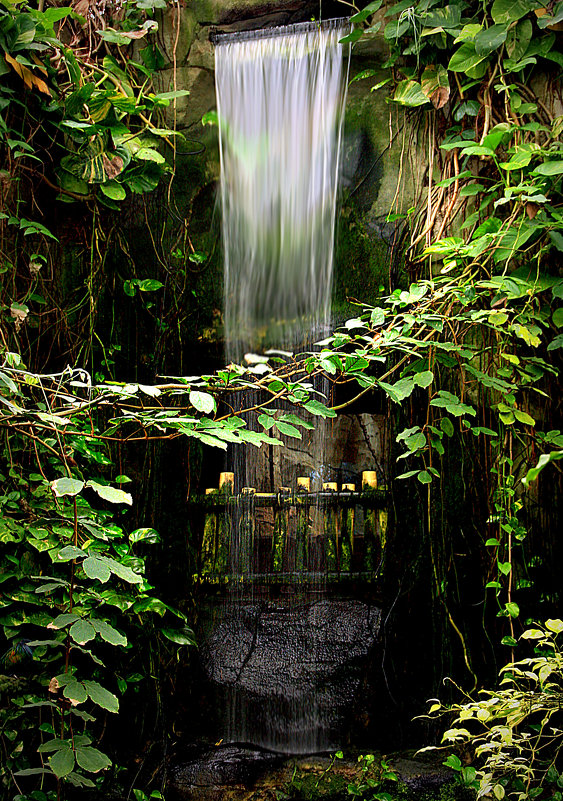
287 676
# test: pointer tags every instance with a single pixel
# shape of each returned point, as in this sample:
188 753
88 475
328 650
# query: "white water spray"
280 102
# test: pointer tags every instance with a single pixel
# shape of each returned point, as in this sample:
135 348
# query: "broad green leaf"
149 535
183 636
63 620
424 477
149 154
96 568
549 168
113 190
522 417
554 625
513 609
366 12
91 759
149 285
490 39
532 634
424 379
287 429
377 317
66 486
108 633
110 494
416 442
557 317
123 571
465 58
409 93
62 762
352 37
69 552
82 632
56 744
202 401
447 426
400 390
363 75
317 408
102 697
75 691
510 10
544 460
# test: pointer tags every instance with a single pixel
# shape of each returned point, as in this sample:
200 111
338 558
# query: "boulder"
286 675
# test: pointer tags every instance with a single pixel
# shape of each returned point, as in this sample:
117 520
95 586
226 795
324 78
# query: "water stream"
280 102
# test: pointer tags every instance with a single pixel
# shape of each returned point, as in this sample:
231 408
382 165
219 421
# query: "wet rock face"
225 766
288 676
239 773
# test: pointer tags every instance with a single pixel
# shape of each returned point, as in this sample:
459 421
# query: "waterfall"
280 102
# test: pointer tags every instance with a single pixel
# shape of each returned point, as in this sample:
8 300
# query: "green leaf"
108 633
363 75
149 535
149 285
75 691
183 636
510 10
287 429
66 486
62 762
82 632
557 317
63 620
123 571
96 568
447 426
409 93
400 390
554 625
149 154
513 609
110 494
424 477
522 417
352 37
69 552
424 379
465 58
113 190
91 759
366 12
377 317
490 39
102 697
54 745
317 408
416 442
504 568
202 401
533 634
544 460
549 168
